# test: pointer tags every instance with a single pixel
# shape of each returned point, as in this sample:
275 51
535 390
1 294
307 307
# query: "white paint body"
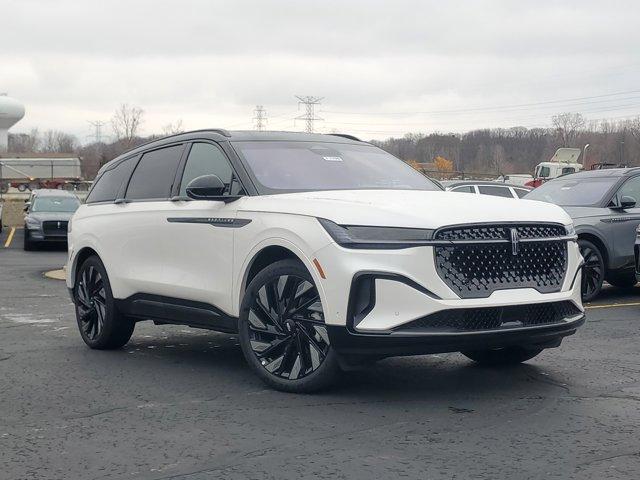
143 253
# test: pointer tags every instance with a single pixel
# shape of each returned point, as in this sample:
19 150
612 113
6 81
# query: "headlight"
354 236
32 223
571 230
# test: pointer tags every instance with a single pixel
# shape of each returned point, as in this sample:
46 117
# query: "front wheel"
101 325
282 331
28 244
502 356
592 270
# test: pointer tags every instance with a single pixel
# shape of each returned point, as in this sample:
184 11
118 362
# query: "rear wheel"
282 331
502 356
100 323
592 271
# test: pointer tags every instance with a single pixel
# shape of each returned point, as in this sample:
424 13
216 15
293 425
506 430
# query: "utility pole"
309 117
97 136
260 118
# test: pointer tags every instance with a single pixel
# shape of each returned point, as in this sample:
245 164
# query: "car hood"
583 212
406 208
56 216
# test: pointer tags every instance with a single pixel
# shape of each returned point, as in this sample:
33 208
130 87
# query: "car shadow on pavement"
217 358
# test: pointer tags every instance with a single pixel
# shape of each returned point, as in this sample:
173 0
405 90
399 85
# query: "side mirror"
206 187
627 202
26 206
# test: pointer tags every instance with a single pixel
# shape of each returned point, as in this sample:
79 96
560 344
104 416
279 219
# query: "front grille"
476 270
493 318
55 228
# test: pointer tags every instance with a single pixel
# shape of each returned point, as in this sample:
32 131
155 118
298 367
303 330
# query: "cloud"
210 63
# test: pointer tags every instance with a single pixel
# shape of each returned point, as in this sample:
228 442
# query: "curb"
57 274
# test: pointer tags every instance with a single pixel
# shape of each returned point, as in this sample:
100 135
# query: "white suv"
321 251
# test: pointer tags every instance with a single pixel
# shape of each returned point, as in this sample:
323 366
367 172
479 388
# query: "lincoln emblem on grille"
515 242
59 225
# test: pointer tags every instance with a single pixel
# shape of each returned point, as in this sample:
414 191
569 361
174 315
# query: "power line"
97 136
479 109
309 117
260 118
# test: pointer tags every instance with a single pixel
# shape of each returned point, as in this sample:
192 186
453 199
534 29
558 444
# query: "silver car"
605 211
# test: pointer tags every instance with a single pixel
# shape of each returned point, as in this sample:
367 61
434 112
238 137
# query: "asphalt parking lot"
180 403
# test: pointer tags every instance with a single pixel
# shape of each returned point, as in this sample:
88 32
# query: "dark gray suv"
605 208
47 217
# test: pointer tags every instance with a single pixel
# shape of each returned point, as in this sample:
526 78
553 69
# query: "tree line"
487 151
519 149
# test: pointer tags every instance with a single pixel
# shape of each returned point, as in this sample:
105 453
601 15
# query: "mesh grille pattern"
492 318
54 227
477 270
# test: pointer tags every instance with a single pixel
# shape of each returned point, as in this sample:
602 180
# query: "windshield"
573 192
542 171
55 204
308 166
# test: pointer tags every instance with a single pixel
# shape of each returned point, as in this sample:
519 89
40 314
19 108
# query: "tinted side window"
153 177
495 191
465 189
108 184
206 159
521 192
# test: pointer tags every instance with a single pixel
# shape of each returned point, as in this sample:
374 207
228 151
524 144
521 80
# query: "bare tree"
24 142
126 122
55 141
568 126
633 126
173 128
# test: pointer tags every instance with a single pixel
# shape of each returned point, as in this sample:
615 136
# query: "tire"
623 281
502 356
282 331
28 244
22 187
101 325
592 271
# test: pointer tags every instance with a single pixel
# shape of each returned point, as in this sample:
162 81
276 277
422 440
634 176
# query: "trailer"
39 171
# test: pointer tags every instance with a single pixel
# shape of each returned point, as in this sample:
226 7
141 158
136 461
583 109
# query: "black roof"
222 135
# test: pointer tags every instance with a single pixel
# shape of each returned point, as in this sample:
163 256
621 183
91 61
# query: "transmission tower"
260 118
97 136
309 117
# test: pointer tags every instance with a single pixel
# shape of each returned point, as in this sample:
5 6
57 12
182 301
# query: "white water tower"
11 112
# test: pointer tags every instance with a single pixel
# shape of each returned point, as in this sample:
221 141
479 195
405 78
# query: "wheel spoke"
286 329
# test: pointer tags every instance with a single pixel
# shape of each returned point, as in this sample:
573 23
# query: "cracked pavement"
178 403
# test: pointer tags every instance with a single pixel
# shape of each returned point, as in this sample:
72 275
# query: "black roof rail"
346 135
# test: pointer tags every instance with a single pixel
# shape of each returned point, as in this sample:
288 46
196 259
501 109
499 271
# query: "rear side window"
154 175
495 191
521 192
108 184
464 189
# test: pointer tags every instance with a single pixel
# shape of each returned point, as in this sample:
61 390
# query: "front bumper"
351 343
377 317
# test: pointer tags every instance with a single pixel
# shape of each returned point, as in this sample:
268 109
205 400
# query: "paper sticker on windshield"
333 159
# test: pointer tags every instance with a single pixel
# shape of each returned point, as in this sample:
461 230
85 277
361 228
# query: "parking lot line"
613 305
10 237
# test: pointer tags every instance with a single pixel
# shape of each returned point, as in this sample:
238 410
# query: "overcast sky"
383 67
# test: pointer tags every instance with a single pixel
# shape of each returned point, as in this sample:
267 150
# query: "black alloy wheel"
282 329
592 270
91 302
100 323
